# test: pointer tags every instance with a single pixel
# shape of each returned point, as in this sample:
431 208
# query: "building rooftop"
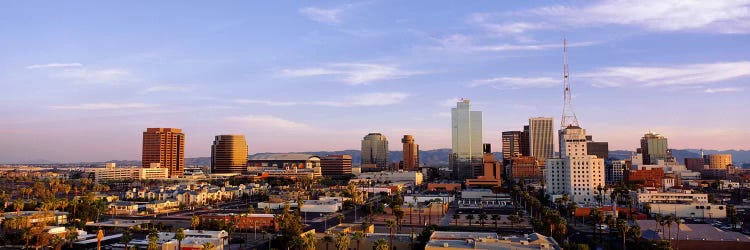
283 157
704 232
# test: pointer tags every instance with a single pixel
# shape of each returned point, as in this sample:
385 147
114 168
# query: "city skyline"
81 83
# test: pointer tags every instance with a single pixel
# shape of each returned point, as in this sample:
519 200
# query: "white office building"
576 173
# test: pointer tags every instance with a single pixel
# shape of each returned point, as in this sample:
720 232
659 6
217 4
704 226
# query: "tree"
195 221
56 242
179 235
18 206
208 246
455 218
309 241
514 219
470 217
678 221
381 245
358 235
429 207
153 240
327 239
622 226
635 233
411 207
342 241
127 237
390 224
482 218
71 234
341 218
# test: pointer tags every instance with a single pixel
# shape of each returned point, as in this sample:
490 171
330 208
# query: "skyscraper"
165 146
511 144
524 142
654 148
541 138
575 172
411 153
336 165
598 148
375 150
466 144
719 161
229 154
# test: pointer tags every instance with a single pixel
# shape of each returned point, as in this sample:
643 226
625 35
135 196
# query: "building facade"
229 154
654 148
466 144
576 173
541 138
600 149
411 153
719 161
375 150
165 146
336 165
524 168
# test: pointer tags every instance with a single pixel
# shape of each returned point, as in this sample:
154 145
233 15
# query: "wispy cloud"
323 15
54 65
689 74
86 75
659 16
450 102
722 90
362 100
268 121
517 82
104 106
168 88
465 43
353 73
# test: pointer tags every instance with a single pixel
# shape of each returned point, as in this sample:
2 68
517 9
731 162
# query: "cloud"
168 88
689 74
104 106
722 90
86 75
362 100
54 65
353 73
464 43
268 121
450 102
518 82
726 17
321 15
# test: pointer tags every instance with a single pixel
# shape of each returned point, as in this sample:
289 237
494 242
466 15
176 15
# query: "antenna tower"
568 115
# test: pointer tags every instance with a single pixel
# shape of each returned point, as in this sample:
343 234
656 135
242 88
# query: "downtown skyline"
81 82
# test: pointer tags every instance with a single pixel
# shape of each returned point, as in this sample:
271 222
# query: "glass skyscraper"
466 132
229 154
541 138
375 150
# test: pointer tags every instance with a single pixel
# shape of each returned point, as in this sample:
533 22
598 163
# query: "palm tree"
514 219
56 242
482 218
381 244
195 221
208 246
622 226
411 207
635 233
358 235
470 217
71 234
429 207
390 224
455 218
309 241
678 221
342 241
341 218
18 205
179 235
327 239
495 218
153 240
127 237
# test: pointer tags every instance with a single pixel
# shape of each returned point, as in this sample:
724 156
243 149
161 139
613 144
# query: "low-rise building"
394 176
440 240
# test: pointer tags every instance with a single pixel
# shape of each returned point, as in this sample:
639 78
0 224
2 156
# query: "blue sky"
81 80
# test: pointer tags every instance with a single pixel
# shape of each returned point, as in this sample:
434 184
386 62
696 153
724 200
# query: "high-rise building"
719 161
695 164
654 148
375 150
466 146
600 149
336 165
524 143
229 154
411 153
575 173
511 145
541 138
165 146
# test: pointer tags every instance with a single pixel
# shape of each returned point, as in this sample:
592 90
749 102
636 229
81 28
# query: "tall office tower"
229 154
375 150
466 134
575 173
411 153
336 165
511 145
598 148
654 148
165 146
719 161
541 138
524 142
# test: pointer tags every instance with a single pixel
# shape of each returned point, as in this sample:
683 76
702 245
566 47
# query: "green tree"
342 241
381 244
358 235
495 218
309 241
127 237
470 217
208 246
153 240
455 218
179 235
328 240
390 224
482 218
71 235
622 226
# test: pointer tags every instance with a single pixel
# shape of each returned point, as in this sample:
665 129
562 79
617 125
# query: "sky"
81 80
